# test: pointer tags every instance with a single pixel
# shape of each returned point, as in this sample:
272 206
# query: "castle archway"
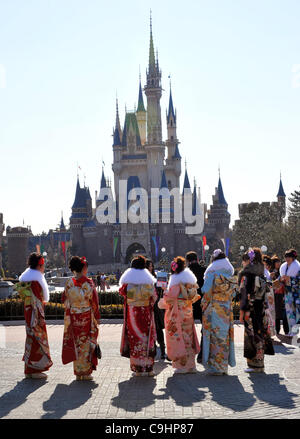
133 250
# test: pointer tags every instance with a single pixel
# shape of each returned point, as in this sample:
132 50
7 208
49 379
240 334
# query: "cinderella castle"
145 160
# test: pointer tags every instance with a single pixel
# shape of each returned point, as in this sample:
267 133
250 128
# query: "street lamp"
206 248
264 248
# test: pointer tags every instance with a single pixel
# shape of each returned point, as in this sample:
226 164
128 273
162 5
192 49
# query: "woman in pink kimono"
181 338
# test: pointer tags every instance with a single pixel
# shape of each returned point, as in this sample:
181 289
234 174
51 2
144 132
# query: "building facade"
144 160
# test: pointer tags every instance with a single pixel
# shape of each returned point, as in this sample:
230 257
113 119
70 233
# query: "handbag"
98 351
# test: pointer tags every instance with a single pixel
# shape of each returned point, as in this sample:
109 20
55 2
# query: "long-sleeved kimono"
270 310
181 337
257 337
139 333
33 289
80 325
292 295
217 319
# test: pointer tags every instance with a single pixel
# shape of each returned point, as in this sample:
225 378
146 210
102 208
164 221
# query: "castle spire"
117 134
220 191
281 192
141 106
151 48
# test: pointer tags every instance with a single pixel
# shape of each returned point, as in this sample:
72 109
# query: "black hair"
180 261
33 260
76 264
191 256
221 255
148 263
138 262
291 253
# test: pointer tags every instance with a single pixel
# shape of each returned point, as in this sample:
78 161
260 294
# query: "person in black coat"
198 270
158 314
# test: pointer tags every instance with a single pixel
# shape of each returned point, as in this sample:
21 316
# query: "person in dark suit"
198 269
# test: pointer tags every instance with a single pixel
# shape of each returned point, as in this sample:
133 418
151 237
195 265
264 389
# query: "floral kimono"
139 333
181 337
292 295
217 319
33 289
270 310
80 325
257 337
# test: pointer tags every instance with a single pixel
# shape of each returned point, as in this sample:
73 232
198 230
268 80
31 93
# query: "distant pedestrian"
81 321
218 334
181 337
139 334
253 289
279 290
290 275
33 289
270 310
159 314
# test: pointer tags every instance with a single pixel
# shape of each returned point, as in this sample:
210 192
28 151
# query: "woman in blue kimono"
218 334
290 276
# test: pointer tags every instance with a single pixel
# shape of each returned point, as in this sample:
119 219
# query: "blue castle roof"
81 196
221 193
281 192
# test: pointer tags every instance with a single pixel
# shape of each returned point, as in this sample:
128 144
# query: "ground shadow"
228 391
67 397
270 388
18 395
183 389
284 349
135 394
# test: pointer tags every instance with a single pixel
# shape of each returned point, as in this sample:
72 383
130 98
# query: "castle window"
171 123
172 137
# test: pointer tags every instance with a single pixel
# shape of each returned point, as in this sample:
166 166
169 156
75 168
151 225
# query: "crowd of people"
268 291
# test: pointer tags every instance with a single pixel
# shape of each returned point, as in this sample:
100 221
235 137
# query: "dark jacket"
198 271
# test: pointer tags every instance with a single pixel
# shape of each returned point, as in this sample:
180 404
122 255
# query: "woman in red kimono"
33 289
139 334
81 321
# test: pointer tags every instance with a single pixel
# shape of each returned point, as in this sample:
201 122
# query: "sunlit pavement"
116 394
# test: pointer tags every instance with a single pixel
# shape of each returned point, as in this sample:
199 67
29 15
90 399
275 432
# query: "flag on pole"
63 246
115 245
227 246
38 248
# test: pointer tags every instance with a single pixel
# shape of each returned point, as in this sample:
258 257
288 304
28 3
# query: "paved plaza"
117 394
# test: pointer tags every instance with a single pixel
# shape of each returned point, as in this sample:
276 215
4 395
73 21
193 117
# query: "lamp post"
206 248
45 254
264 248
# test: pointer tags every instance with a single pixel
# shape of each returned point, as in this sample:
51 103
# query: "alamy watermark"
136 206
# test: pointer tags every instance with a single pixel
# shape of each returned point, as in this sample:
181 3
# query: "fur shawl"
184 277
137 277
292 271
30 275
220 264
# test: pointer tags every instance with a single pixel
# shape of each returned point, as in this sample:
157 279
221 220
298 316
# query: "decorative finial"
185 164
150 20
195 183
140 78
219 171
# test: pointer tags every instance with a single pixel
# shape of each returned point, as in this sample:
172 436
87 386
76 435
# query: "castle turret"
281 197
173 161
141 115
154 146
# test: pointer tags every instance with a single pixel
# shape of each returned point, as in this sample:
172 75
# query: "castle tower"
173 161
154 146
281 197
141 116
81 213
17 248
218 217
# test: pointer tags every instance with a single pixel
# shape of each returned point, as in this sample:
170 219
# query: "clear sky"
62 62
